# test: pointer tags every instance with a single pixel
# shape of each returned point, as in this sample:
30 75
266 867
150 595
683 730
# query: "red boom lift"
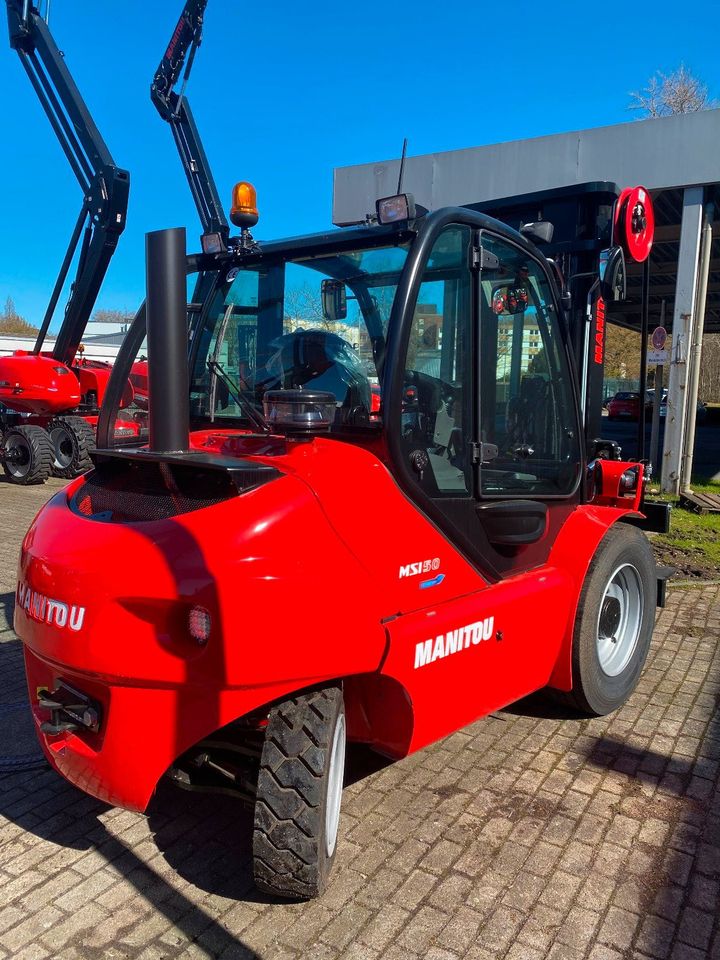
49 400
310 571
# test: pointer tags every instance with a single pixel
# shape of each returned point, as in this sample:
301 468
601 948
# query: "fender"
573 550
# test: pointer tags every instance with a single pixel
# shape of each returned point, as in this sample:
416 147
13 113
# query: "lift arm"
175 108
105 186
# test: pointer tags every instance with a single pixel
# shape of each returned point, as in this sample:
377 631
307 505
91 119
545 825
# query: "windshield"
268 326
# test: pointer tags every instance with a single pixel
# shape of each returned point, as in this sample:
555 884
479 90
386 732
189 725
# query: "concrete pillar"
683 315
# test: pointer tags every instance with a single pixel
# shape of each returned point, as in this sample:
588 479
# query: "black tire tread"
41 452
288 829
576 698
86 442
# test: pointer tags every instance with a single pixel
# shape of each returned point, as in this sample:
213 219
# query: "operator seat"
320 360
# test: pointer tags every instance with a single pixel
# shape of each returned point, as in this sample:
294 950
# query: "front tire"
30 455
297 806
615 620
71 439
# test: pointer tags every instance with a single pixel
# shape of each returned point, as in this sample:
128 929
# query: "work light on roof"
396 209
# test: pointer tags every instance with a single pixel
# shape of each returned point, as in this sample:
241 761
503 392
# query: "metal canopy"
666 155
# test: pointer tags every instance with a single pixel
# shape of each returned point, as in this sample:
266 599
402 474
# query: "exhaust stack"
168 387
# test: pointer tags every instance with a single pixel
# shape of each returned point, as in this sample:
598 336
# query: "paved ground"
524 836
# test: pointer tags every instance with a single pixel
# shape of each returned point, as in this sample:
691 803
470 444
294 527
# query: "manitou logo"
424 566
170 52
453 642
599 330
45 610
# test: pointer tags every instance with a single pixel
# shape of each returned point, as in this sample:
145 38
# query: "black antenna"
402 166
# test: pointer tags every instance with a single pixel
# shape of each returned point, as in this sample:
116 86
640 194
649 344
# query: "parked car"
651 399
625 405
700 410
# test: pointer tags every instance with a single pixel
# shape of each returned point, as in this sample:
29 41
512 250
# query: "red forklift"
310 570
49 400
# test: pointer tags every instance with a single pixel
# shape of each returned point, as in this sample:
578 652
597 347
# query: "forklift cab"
459 319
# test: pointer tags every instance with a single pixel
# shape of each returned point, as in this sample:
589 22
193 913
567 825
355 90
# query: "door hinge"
483 452
484 259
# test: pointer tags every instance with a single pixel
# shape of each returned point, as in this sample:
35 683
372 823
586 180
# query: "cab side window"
527 410
437 408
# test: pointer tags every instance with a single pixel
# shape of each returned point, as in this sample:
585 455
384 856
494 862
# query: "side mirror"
540 232
334 300
612 274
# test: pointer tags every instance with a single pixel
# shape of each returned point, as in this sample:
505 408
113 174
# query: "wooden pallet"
700 502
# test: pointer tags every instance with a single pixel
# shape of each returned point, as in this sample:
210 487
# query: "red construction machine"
310 570
49 400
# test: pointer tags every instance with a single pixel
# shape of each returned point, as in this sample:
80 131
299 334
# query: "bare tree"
11 323
622 353
710 368
304 309
103 315
670 93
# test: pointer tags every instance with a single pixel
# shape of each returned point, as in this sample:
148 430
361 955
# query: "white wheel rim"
18 469
619 620
335 783
62 447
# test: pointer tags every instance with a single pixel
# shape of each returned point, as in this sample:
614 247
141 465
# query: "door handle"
524 450
512 523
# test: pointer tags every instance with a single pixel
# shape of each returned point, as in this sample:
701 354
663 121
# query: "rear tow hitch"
69 709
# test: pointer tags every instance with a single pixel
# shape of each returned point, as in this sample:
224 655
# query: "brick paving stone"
30 928
384 926
422 929
436 953
618 928
696 927
462 930
682 951
563 951
32 952
519 951
520 837
579 926
656 937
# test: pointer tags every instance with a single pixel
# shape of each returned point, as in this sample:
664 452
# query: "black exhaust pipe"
167 341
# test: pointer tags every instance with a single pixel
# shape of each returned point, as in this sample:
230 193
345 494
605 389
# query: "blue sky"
283 93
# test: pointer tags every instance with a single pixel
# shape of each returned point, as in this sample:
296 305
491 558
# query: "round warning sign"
659 336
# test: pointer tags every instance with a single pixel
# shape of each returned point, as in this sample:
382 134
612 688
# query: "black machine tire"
614 623
71 440
33 444
299 788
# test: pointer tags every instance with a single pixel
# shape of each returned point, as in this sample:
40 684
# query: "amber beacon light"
244 212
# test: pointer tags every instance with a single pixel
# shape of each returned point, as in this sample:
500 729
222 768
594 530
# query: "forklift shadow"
207 838
542 706
70 818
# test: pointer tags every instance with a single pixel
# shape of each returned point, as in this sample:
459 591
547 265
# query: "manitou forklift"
309 570
49 400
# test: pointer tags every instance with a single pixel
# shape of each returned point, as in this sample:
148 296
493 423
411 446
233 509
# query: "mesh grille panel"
132 492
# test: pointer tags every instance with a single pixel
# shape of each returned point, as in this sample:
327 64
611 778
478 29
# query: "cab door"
489 446
530 465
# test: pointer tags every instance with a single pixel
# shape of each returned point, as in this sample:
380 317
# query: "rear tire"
614 624
71 440
31 445
297 806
